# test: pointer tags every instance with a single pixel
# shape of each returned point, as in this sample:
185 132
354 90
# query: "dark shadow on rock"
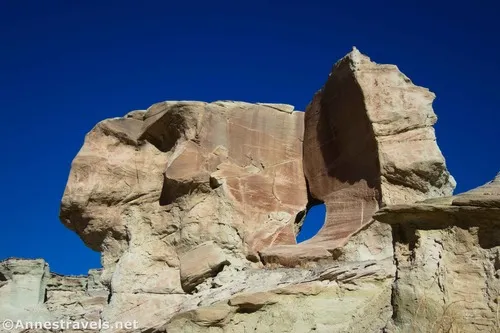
173 189
165 131
348 143
341 160
489 236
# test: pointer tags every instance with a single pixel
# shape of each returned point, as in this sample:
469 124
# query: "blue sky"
65 65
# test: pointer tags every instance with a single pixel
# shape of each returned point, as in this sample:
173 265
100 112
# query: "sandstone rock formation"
290 300
447 252
195 208
203 261
22 289
31 294
298 300
146 189
368 142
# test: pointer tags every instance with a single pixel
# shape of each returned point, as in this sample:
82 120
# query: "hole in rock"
313 222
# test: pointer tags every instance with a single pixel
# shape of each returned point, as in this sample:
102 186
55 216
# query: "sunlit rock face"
31 295
148 188
448 253
195 208
368 142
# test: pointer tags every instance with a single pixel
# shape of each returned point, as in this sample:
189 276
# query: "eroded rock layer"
31 294
352 297
194 207
447 252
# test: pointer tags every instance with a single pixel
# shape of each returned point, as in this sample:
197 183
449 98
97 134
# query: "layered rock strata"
195 208
333 297
149 188
447 252
31 294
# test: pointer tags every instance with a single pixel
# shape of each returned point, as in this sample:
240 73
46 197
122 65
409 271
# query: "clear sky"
65 65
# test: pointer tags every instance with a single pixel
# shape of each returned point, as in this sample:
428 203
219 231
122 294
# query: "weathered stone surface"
31 276
147 189
235 297
213 316
195 207
324 302
333 298
447 252
76 298
368 142
234 292
487 196
22 290
201 262
480 203
29 293
252 302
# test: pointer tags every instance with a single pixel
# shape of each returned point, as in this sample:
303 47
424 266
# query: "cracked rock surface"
195 207
30 293
151 188
369 141
447 252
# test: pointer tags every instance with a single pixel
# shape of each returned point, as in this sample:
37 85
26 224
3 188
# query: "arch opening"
314 220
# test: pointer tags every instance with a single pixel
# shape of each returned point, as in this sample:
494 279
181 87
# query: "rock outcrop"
368 142
22 289
30 294
447 252
147 189
195 208
296 301
173 194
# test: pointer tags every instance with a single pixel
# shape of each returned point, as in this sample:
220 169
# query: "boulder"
203 261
